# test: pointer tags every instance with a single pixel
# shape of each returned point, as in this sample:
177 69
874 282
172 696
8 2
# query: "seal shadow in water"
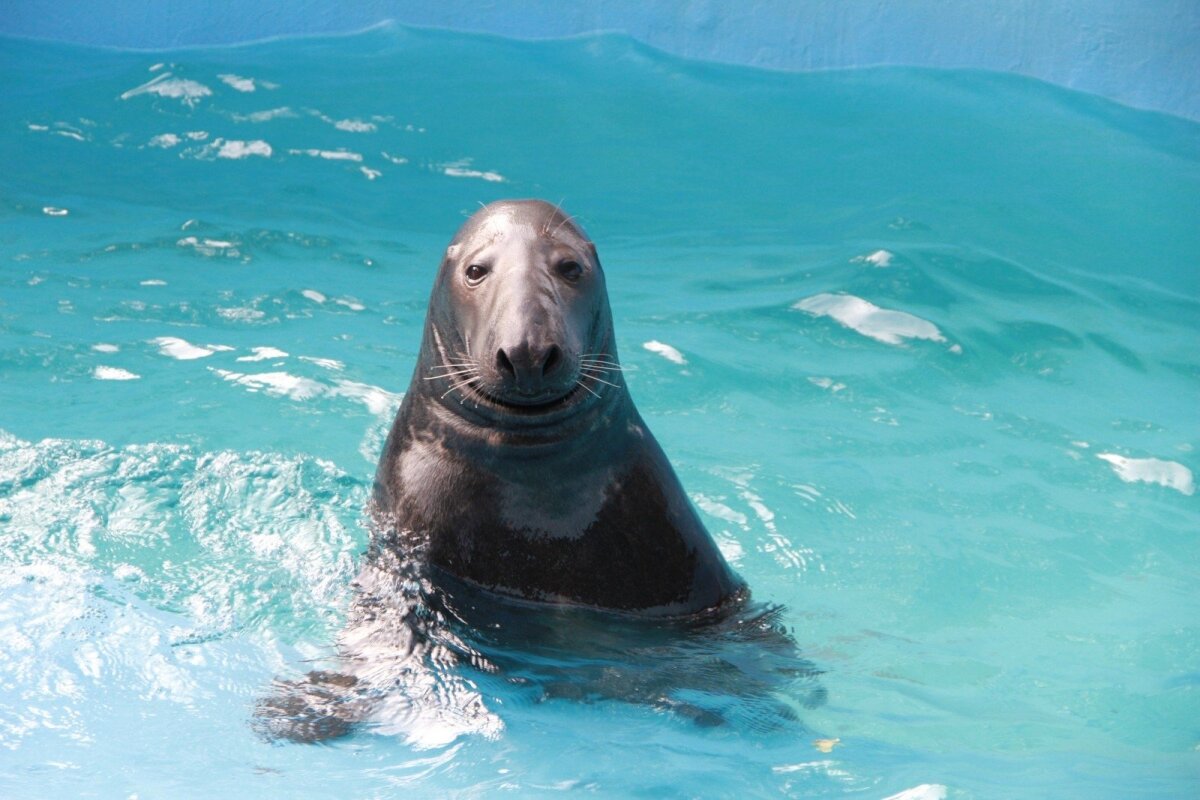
532 536
418 646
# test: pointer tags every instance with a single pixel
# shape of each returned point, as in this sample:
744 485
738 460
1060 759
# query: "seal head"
518 330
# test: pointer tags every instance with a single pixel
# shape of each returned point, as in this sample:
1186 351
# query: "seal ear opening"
452 252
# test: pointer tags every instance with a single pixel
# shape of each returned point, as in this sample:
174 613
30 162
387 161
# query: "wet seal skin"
518 453
522 506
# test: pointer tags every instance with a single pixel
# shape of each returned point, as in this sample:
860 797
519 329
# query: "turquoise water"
921 345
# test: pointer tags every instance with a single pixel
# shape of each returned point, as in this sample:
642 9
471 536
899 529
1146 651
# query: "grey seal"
517 460
520 500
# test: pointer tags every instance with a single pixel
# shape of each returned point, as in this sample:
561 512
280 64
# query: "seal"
517 461
520 500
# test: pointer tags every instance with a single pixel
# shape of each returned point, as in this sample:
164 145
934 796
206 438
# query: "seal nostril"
553 357
504 365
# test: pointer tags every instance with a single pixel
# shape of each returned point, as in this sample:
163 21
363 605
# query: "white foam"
34 127
827 383
394 159
197 136
371 174
266 115
325 363
275 383
720 510
153 282
463 172
166 85
926 791
665 350
208 247
236 148
264 353
238 82
113 374
428 725
1151 470
241 313
355 126
880 258
164 140
378 401
87 658
180 349
314 295
106 348
883 325
332 155
353 305
54 211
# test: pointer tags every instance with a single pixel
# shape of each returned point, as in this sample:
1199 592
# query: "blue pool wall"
1144 53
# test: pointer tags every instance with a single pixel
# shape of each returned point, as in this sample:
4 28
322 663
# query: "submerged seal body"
517 461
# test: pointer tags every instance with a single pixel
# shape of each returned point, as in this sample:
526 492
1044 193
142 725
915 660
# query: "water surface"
921 345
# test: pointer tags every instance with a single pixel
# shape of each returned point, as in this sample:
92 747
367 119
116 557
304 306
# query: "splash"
666 351
1170 474
881 324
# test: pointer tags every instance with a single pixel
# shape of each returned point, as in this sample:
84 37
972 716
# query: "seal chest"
517 461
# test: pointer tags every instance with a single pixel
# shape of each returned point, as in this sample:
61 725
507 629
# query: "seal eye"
476 273
570 270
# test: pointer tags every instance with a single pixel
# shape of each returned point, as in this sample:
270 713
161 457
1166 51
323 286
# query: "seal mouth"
527 407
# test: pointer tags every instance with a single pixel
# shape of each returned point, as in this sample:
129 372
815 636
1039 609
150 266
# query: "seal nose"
528 365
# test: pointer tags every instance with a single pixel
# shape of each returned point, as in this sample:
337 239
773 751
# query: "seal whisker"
579 382
601 380
611 367
550 218
453 365
459 385
450 375
566 218
600 367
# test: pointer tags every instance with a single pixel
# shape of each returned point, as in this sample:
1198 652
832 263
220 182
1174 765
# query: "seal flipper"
323 705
